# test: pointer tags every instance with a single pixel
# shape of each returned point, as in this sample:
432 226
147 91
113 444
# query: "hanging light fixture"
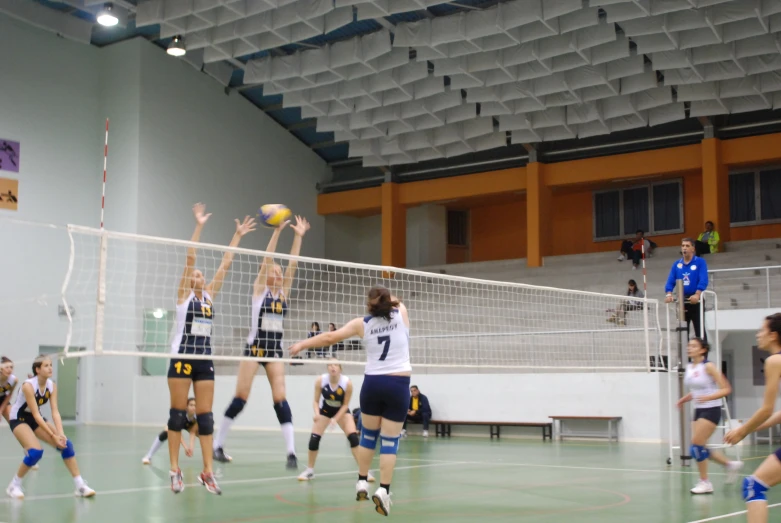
107 16
176 47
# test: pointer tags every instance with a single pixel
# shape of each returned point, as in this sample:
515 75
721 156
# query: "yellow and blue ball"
273 214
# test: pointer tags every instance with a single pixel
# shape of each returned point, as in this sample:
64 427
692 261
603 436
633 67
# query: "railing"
747 287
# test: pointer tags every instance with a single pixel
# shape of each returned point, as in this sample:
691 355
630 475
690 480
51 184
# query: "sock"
225 426
78 481
155 447
386 486
17 481
290 437
363 478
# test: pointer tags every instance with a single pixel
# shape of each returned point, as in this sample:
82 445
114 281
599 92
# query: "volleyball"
274 214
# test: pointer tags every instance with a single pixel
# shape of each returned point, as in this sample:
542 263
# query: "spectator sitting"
338 346
629 305
634 248
314 330
708 241
419 411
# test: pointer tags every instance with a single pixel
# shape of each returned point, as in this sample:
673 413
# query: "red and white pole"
105 161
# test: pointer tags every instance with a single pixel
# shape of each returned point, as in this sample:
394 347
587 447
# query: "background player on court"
270 293
385 390
28 426
333 391
7 386
190 426
194 317
708 386
768 474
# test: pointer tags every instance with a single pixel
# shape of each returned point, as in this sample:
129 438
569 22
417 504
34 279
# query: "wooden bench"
612 426
443 427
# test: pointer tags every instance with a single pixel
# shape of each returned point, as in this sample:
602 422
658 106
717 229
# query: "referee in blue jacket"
694 272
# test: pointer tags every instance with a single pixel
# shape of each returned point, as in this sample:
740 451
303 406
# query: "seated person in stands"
314 330
633 249
630 305
338 346
707 241
419 411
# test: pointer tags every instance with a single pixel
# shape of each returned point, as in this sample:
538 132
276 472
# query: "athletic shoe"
403 433
292 462
177 482
84 491
219 455
361 490
425 433
382 501
703 487
14 491
733 469
147 460
307 475
208 481
370 478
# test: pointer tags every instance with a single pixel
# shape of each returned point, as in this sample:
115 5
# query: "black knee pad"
205 424
314 442
163 436
353 439
236 406
177 419
284 414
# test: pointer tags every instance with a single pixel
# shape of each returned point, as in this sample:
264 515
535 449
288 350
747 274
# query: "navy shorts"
196 370
24 419
257 350
778 454
712 414
330 412
385 396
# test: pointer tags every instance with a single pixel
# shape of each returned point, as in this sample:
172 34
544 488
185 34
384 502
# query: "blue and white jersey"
8 386
41 398
700 383
387 344
194 323
332 396
268 316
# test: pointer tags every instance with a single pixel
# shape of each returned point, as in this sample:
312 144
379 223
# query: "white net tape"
455 321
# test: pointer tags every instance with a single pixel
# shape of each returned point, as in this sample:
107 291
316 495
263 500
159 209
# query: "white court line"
102 493
731 514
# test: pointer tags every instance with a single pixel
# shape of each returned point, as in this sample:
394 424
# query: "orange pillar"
394 227
538 217
715 189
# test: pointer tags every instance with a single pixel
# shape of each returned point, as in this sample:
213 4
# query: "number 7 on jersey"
385 341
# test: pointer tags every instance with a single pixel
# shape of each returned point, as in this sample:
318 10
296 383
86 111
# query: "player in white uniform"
333 391
7 386
385 390
191 426
28 426
708 386
270 293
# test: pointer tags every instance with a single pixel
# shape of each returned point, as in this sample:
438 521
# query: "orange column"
394 227
538 218
715 188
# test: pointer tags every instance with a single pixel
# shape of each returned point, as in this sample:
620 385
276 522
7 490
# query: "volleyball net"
124 287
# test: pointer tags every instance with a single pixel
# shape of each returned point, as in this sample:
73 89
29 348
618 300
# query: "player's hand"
188 452
295 349
411 412
316 417
735 436
694 299
680 403
668 299
199 210
62 440
301 226
248 225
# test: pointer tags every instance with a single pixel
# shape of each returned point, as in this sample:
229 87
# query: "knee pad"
353 439
236 406
389 445
68 451
32 457
314 442
754 490
163 436
369 438
177 419
699 452
205 424
284 415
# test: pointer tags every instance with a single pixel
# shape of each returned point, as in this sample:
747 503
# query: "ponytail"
381 303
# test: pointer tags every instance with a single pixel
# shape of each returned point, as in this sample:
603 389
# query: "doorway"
66 376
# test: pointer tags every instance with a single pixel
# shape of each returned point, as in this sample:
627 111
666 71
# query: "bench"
612 426
443 427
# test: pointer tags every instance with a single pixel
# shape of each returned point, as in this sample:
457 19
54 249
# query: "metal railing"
747 287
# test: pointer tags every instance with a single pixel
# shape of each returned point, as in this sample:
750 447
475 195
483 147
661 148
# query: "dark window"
652 208
667 206
457 228
635 210
742 198
770 194
607 214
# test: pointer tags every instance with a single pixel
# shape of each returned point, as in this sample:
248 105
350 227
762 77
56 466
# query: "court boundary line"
730 515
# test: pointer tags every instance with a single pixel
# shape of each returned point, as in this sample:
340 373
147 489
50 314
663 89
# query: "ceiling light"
176 47
107 17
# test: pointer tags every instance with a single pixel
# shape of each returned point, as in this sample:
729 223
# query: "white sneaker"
84 492
147 460
621 257
733 469
177 481
403 433
307 475
382 501
362 490
14 491
425 433
370 477
703 487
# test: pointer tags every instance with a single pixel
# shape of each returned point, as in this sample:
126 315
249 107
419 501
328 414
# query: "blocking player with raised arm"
191 426
30 428
385 390
270 294
333 392
194 317
768 474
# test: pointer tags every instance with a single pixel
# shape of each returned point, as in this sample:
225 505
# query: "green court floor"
456 480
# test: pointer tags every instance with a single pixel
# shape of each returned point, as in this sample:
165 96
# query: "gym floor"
459 480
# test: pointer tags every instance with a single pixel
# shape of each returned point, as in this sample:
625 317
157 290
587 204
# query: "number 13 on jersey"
385 342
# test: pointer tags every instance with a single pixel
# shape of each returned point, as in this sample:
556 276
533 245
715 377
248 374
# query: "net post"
645 311
684 412
101 298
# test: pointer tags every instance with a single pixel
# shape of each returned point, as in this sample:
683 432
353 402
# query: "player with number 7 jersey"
385 390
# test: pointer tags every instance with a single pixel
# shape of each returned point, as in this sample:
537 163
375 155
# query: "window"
457 228
755 196
655 208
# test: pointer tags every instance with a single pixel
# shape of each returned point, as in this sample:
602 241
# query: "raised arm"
772 375
326 339
199 210
403 311
32 405
268 261
242 228
300 229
